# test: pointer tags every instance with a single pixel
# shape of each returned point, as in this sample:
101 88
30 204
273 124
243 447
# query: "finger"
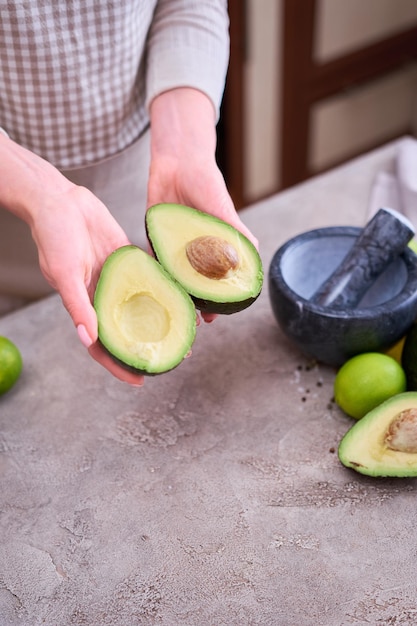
209 317
241 227
228 213
78 304
248 234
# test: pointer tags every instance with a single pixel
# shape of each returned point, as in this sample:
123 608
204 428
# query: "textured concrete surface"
214 494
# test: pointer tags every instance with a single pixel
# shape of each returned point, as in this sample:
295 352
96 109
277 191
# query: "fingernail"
84 336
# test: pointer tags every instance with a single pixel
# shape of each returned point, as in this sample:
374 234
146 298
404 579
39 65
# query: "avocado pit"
213 257
401 435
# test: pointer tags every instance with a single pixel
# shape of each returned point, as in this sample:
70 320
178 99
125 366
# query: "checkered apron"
76 80
77 76
70 76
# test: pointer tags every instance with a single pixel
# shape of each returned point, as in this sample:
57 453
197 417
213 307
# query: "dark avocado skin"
409 358
222 308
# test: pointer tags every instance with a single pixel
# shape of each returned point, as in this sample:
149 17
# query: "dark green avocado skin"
222 308
409 358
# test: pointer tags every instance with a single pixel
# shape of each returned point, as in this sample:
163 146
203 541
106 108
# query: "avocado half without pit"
384 442
146 307
146 321
215 263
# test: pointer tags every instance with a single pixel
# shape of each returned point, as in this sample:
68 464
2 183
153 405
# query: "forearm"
28 181
188 46
182 121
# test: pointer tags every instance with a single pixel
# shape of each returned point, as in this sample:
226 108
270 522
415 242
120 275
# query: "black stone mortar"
332 335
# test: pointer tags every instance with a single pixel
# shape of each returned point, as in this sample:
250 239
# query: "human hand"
74 233
183 166
72 247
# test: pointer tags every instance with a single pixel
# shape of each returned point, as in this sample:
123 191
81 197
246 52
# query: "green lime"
10 364
367 380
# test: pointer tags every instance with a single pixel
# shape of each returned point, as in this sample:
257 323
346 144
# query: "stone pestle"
382 240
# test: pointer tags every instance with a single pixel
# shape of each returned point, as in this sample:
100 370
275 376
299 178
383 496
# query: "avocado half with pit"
215 263
384 442
146 321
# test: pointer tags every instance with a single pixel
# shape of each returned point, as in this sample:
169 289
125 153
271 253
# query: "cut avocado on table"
146 321
384 442
215 263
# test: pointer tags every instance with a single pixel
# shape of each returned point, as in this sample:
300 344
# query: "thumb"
239 225
227 212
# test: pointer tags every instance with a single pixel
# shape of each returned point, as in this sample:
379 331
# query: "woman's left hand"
183 165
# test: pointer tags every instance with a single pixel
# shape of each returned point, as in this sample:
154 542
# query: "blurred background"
311 84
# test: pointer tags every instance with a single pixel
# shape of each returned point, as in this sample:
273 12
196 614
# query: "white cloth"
398 189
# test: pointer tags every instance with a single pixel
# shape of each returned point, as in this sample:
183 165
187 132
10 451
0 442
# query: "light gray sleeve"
188 46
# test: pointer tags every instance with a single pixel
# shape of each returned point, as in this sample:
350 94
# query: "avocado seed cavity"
142 319
212 257
401 435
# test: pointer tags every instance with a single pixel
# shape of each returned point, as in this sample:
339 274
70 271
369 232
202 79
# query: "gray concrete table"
214 494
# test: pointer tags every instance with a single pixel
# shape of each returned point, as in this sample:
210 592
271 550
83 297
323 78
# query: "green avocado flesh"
384 442
217 265
146 321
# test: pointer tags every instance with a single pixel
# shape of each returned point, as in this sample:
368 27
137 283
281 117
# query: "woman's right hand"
74 233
